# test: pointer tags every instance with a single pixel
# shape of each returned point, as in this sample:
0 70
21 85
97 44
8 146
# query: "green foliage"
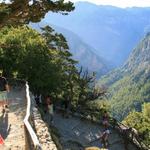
45 62
127 94
99 105
22 12
129 86
24 51
146 109
141 122
66 65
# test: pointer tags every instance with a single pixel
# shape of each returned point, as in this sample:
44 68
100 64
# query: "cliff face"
129 86
139 59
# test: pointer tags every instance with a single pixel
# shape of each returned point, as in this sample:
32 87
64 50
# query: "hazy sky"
119 3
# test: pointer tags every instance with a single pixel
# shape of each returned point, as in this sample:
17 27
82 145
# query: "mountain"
80 50
113 32
129 86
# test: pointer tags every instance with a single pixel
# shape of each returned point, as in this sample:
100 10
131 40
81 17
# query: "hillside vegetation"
129 89
129 86
141 122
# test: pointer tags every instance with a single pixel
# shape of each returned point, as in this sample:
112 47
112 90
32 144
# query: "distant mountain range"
81 51
112 32
129 86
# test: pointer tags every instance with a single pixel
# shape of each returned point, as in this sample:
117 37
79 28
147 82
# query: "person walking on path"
104 137
4 89
49 110
66 107
105 119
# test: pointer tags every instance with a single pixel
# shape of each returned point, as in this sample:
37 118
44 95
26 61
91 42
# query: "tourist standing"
4 89
49 110
104 138
105 119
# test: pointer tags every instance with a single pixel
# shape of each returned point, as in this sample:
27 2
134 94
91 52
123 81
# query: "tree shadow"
4 126
17 103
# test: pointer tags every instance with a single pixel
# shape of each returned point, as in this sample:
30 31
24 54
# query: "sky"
119 3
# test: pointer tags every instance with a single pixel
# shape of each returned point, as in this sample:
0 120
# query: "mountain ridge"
129 85
112 31
90 3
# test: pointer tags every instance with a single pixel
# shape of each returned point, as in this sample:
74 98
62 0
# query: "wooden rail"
131 134
29 132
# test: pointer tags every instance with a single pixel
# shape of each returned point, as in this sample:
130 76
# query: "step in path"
11 122
77 134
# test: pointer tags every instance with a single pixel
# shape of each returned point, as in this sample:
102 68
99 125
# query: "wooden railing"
131 134
32 142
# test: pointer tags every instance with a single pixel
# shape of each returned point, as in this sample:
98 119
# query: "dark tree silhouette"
16 12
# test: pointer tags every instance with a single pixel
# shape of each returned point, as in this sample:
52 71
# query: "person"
125 134
49 110
66 105
105 119
104 137
37 99
4 89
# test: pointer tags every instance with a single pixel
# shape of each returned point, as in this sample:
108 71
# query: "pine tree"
18 12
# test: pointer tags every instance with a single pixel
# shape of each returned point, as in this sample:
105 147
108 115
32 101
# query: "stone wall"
42 131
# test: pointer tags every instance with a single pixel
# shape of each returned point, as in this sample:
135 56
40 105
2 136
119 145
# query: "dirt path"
11 122
76 134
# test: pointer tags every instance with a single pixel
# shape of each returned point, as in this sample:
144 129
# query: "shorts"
105 122
3 97
48 117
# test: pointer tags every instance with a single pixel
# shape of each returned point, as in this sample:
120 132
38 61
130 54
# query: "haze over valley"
112 32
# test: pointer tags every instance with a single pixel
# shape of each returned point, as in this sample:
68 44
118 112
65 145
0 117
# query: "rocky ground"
78 134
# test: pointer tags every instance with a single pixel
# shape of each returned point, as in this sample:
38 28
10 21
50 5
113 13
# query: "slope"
129 86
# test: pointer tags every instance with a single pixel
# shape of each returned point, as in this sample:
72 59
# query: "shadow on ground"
4 125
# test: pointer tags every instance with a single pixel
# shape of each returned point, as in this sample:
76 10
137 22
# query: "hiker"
38 99
125 134
66 105
104 137
4 89
49 110
105 119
